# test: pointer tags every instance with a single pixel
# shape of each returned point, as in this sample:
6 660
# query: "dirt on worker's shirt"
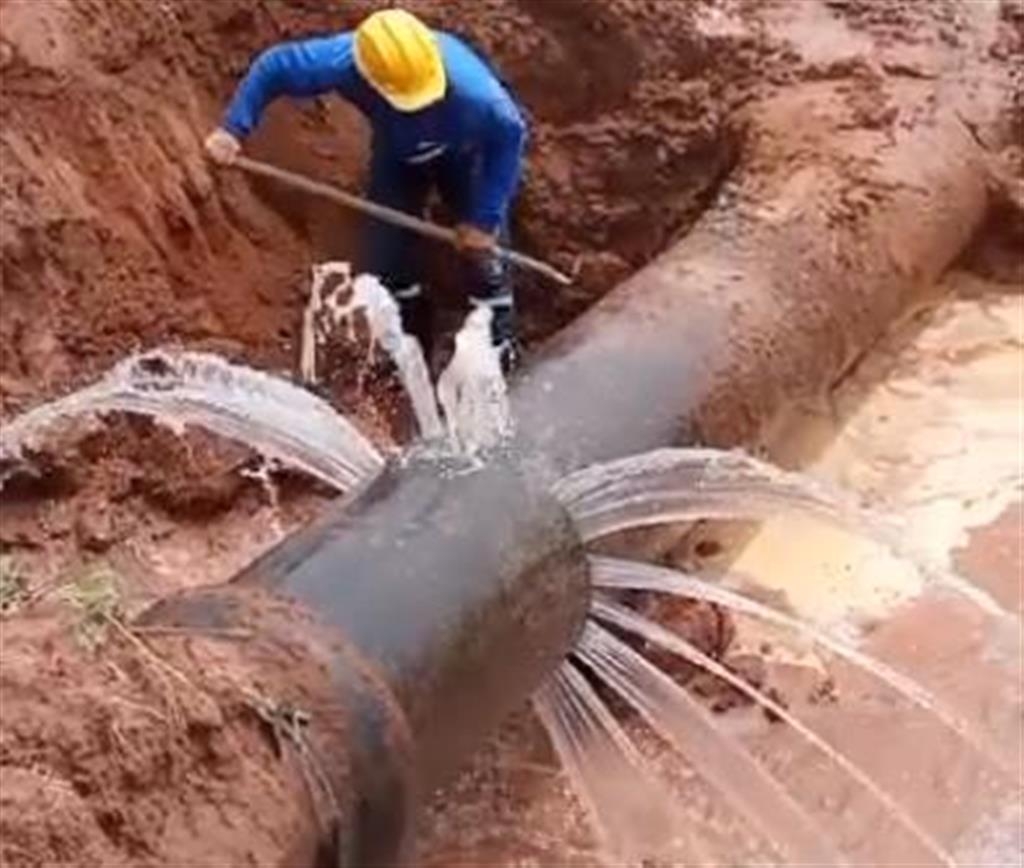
116 234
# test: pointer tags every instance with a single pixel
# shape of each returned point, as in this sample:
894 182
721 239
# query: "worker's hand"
473 239
222 147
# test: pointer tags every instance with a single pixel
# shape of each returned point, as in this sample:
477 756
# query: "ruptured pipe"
439 601
443 598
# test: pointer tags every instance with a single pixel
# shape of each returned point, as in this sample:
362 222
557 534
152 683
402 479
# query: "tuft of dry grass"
96 594
13 585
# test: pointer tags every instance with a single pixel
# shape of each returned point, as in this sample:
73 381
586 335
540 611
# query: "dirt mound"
156 755
115 232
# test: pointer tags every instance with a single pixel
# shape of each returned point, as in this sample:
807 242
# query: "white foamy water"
337 298
472 389
271 415
263 475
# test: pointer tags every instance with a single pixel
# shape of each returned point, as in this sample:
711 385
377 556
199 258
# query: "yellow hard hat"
399 56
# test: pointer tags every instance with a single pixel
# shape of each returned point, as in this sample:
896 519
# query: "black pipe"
448 594
768 301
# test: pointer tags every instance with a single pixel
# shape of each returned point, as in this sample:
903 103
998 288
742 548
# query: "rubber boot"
416 311
489 278
503 337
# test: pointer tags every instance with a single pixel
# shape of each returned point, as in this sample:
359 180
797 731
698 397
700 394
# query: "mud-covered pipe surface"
462 588
798 267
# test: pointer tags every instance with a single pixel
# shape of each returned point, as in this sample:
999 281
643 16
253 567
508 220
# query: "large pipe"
815 246
443 597
448 597
795 271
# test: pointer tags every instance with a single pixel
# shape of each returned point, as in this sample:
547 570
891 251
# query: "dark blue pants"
394 254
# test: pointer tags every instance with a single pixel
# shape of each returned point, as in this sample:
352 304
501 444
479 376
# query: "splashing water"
669 485
613 573
472 389
276 418
313 332
626 619
263 475
717 757
680 485
280 420
628 804
365 294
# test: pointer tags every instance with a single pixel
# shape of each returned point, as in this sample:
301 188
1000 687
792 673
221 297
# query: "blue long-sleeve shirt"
477 117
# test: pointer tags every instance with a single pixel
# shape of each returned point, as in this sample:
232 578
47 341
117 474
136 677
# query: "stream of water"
339 303
276 418
632 809
723 762
283 421
685 485
626 619
624 575
472 389
932 444
918 412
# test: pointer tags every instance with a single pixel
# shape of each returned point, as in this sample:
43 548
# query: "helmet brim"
431 92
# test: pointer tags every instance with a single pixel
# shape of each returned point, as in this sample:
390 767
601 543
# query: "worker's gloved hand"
222 147
473 239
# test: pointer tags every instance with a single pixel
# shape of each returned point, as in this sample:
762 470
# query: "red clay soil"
148 749
115 235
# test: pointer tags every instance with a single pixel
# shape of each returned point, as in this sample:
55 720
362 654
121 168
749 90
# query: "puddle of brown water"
930 427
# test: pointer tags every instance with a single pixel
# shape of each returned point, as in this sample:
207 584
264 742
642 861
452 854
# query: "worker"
441 120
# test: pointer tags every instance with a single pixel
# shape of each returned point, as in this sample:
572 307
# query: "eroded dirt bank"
116 235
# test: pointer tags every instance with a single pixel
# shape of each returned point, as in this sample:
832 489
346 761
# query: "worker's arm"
299 69
504 138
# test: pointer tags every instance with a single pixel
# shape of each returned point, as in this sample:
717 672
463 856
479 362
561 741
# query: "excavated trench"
116 234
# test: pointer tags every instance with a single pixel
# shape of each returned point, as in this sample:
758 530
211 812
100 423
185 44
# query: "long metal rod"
390 215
